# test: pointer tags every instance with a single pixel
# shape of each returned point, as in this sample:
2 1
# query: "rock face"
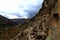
36 28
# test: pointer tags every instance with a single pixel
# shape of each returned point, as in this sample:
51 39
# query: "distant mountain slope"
5 21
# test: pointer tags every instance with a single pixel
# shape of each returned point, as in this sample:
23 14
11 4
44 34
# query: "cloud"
12 9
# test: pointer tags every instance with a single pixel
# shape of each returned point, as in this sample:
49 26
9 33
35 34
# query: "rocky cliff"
40 27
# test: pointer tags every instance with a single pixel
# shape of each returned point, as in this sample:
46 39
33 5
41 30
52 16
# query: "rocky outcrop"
36 28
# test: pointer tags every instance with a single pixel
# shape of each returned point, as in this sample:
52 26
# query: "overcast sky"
13 9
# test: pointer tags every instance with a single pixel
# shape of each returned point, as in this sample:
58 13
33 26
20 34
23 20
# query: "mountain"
5 21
